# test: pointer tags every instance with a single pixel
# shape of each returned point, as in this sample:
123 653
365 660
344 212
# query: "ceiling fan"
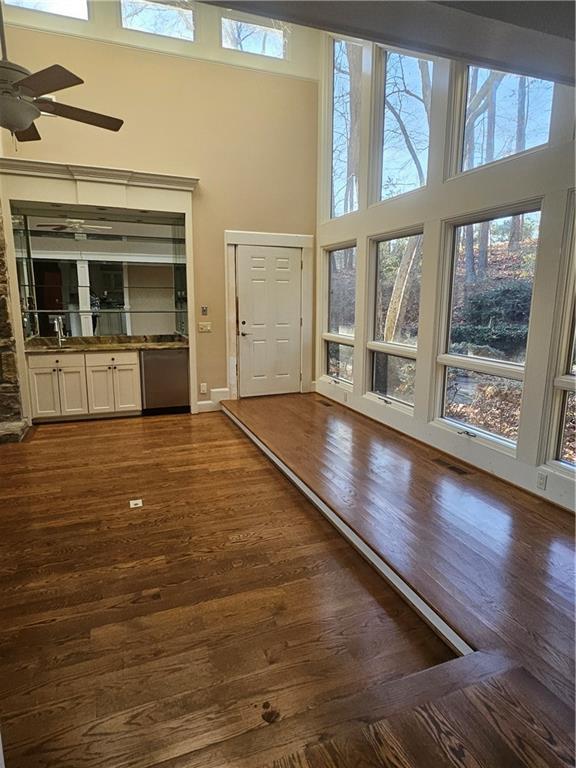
74 225
21 94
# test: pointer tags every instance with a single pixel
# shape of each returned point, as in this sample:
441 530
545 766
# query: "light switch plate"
136 503
541 480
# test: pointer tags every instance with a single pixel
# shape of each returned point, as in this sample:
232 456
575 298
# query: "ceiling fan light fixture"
17 114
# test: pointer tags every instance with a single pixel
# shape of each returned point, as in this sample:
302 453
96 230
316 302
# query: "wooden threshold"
422 608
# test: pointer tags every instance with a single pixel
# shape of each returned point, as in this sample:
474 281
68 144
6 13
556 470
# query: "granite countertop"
42 344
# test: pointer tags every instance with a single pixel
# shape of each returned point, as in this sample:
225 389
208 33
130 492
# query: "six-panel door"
269 284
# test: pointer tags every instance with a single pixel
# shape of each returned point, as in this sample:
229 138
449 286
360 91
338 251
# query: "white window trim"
105 24
539 178
378 85
262 22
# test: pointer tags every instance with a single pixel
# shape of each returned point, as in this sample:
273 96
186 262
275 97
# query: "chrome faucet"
58 322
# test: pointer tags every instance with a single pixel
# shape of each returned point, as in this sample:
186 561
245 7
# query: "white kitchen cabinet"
72 387
44 392
127 395
113 382
100 380
57 385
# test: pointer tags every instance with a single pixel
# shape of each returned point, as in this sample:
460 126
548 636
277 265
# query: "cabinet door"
100 381
127 395
73 396
44 392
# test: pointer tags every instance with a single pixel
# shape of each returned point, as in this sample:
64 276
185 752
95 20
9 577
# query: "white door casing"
269 286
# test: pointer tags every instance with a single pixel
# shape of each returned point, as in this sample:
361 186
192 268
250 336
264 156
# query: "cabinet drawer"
65 360
111 358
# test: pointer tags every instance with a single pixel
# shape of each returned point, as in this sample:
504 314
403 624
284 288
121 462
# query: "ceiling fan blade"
80 115
30 134
92 226
54 78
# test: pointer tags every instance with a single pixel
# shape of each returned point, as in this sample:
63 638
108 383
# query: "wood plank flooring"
225 623
507 721
495 562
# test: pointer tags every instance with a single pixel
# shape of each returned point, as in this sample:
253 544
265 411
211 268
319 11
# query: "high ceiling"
529 37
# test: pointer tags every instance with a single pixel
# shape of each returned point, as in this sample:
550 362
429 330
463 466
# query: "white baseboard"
205 406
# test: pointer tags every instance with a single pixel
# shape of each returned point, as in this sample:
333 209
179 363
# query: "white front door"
269 283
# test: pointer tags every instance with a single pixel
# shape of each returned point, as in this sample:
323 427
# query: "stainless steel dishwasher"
165 379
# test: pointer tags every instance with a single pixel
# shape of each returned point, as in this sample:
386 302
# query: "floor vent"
452 467
325 404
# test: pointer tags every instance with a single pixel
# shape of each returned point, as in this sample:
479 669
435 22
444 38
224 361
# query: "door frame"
304 243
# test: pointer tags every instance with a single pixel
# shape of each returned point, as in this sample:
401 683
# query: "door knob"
245 334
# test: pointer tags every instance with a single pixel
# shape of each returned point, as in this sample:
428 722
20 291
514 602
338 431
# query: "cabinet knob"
53 370
115 367
109 367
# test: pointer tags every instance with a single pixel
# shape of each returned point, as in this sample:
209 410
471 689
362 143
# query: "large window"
342 288
398 268
346 84
406 134
340 361
158 18
505 114
492 282
492 277
396 310
339 339
565 386
75 9
253 38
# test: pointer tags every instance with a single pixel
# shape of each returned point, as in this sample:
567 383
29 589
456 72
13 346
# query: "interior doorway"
269 285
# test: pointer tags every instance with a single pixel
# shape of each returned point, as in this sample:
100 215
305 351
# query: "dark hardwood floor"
224 623
508 721
495 562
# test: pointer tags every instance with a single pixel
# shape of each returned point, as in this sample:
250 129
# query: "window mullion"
543 347
389 348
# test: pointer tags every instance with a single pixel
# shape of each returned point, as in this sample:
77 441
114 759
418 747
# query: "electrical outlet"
136 503
203 388
204 327
541 480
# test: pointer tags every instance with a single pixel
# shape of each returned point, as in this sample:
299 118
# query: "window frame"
392 348
380 60
445 359
39 13
328 159
326 335
565 380
457 123
180 40
256 21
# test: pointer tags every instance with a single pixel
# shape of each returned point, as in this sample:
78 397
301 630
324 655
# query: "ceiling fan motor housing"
16 113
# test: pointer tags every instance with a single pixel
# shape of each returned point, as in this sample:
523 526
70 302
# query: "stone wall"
10 405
